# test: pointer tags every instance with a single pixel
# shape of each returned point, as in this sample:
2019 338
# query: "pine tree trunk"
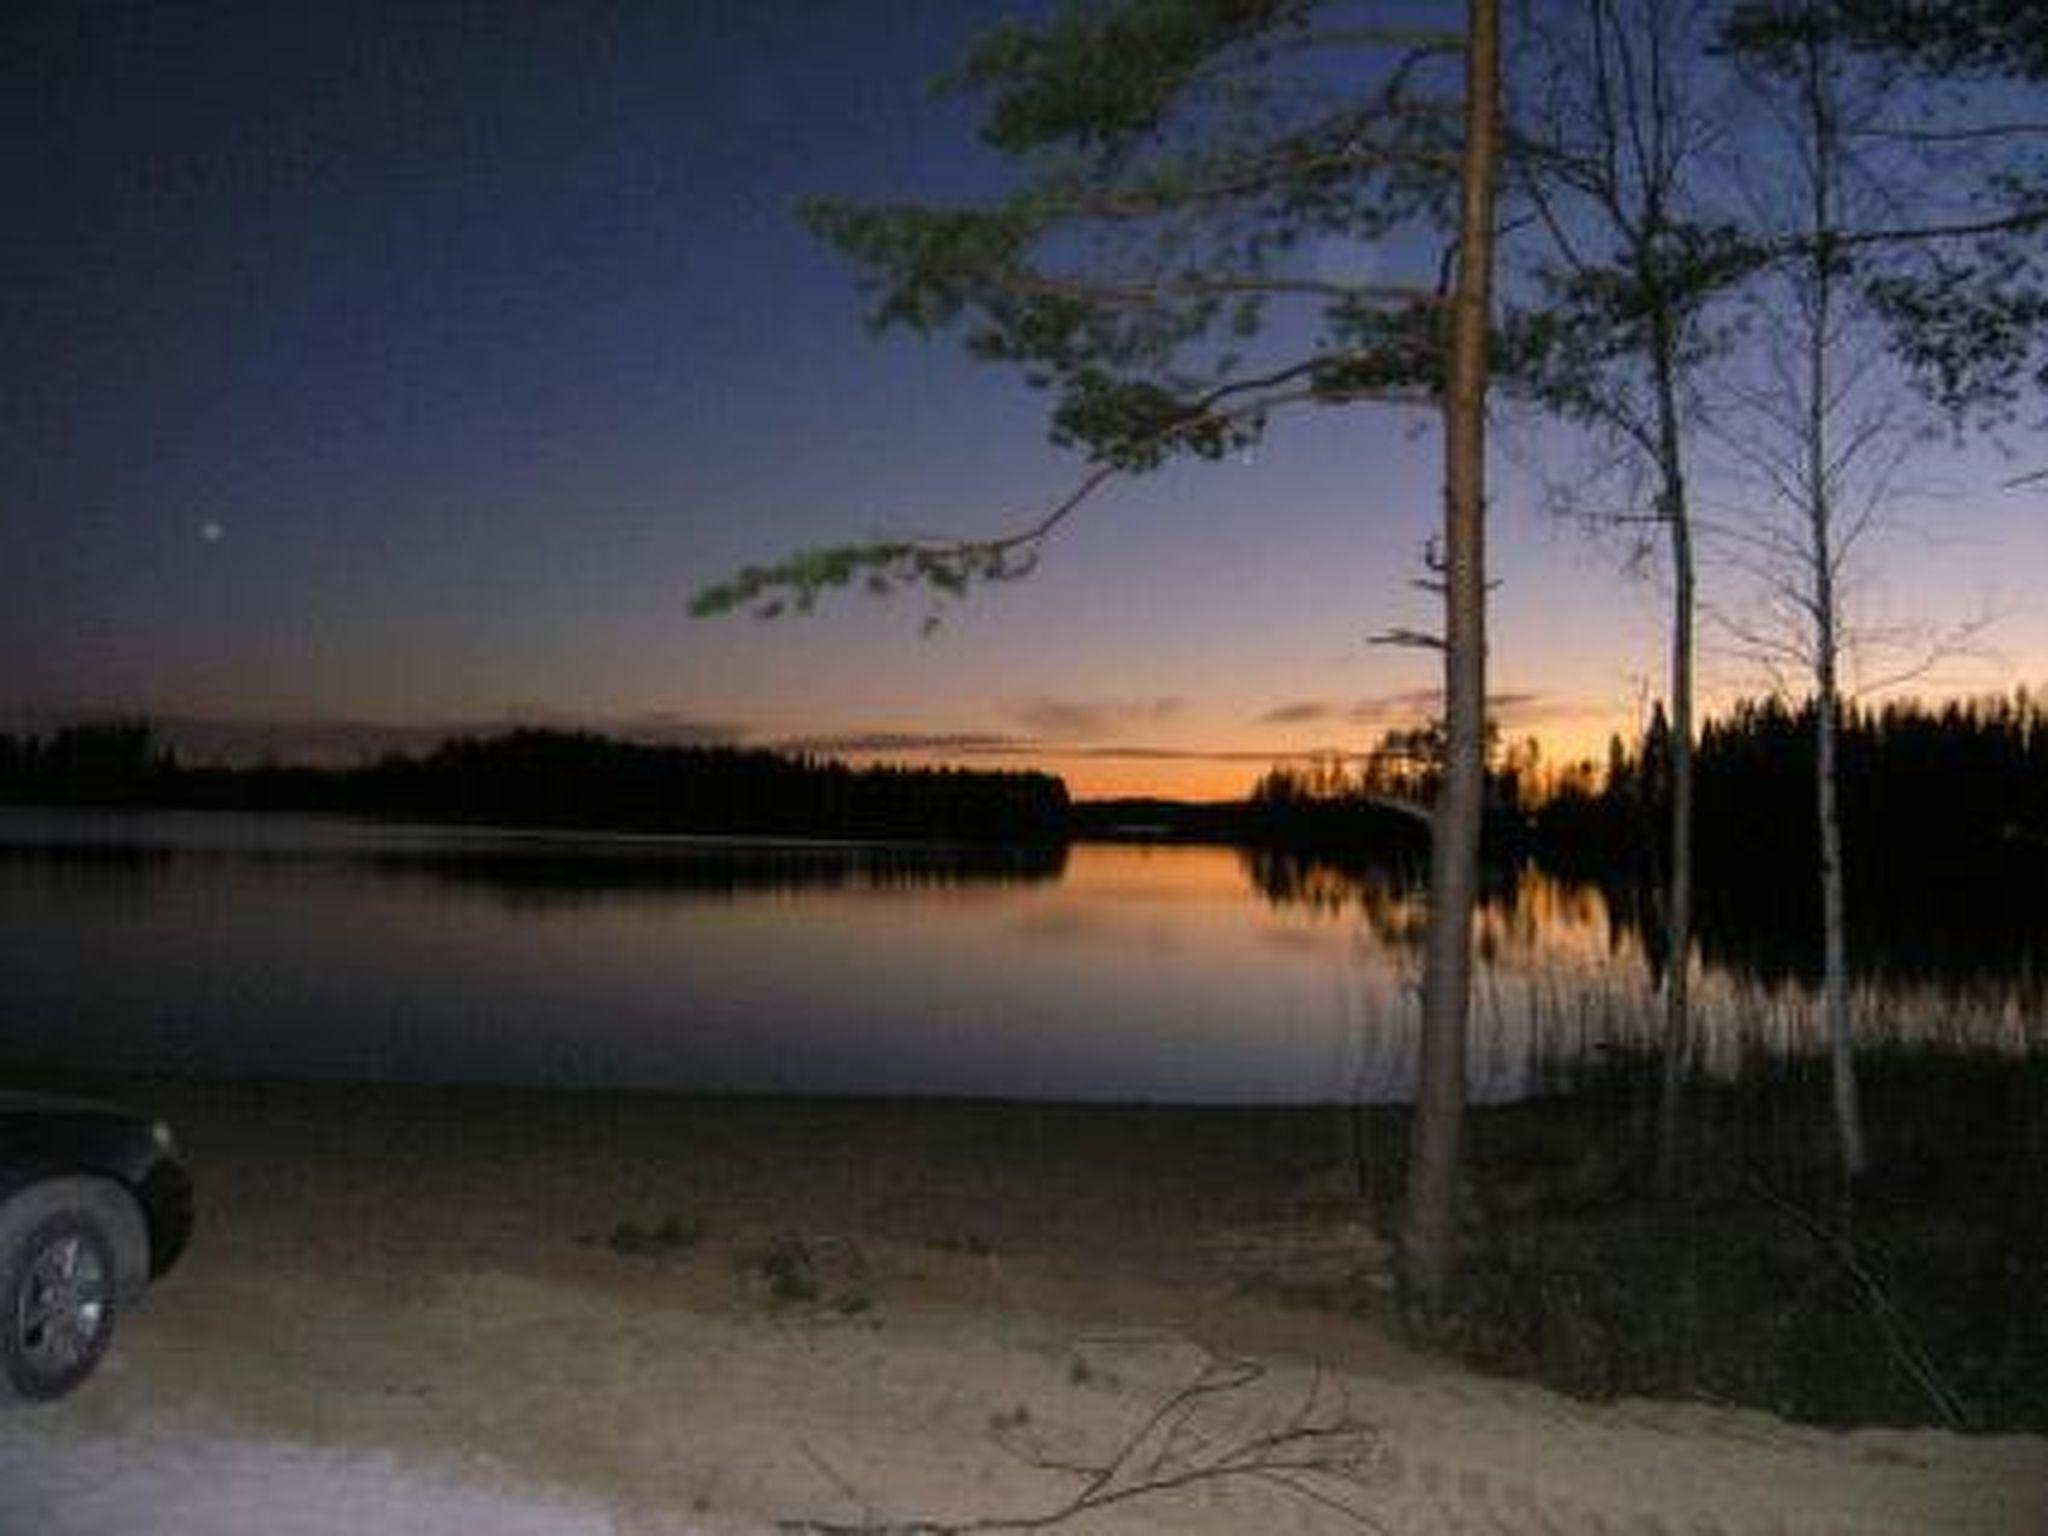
1429 1241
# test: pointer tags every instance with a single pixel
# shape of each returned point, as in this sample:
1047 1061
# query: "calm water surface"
302 947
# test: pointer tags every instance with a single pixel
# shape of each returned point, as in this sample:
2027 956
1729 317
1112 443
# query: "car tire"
59 1285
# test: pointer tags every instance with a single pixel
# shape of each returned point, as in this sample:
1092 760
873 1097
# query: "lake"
302 947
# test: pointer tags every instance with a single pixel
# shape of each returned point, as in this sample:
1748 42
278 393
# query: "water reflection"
300 948
1523 914
349 950
566 877
1567 974
530 870
1388 900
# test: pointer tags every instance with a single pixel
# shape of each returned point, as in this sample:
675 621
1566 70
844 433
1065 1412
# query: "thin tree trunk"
1834 932
1429 1241
1677 513
1631 137
1827 639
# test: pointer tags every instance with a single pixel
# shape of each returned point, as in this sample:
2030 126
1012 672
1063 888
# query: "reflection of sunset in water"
230 946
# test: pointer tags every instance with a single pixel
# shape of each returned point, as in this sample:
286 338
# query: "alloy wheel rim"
62 1308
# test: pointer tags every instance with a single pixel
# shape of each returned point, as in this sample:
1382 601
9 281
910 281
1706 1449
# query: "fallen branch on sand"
1318 1452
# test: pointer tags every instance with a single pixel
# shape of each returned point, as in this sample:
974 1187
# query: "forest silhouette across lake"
1945 811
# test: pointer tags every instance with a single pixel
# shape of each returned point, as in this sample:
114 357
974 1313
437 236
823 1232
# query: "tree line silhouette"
1945 832
1945 809
1377 811
563 779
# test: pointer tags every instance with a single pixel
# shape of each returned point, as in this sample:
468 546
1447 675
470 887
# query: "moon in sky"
212 532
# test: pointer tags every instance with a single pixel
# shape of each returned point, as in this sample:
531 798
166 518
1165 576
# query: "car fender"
105 1199
19 1173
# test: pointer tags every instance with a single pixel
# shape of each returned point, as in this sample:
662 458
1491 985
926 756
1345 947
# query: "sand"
427 1311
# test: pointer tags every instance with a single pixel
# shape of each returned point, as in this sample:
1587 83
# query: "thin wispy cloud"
1151 754
1418 706
1307 713
1082 719
908 744
1408 707
971 745
658 727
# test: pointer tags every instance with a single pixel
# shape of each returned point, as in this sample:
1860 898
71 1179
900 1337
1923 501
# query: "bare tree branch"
1997 132
1319 1452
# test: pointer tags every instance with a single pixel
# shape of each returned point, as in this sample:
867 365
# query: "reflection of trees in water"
1519 911
53 873
543 871
1945 817
1389 899
83 859
1959 935
531 877
1763 935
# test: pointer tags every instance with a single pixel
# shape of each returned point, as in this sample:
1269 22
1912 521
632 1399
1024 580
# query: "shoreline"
696 1315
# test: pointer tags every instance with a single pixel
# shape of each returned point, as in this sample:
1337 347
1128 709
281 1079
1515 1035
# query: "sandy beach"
420 1310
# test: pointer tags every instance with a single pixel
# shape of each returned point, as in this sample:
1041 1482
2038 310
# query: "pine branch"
1145 291
949 567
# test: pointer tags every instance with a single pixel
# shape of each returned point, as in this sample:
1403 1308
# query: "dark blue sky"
411 363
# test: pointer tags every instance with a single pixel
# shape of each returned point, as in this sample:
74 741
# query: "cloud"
1414 706
659 727
1409 707
969 744
1147 754
1073 730
1081 719
1417 706
1528 711
909 743
342 741
1515 710
682 730
1306 713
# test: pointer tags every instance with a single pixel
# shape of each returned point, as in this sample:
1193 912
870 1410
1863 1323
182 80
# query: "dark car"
94 1204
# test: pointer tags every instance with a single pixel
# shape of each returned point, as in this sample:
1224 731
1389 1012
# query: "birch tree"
1612 135
1887 220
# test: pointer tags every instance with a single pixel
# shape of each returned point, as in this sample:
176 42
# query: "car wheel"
57 1295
